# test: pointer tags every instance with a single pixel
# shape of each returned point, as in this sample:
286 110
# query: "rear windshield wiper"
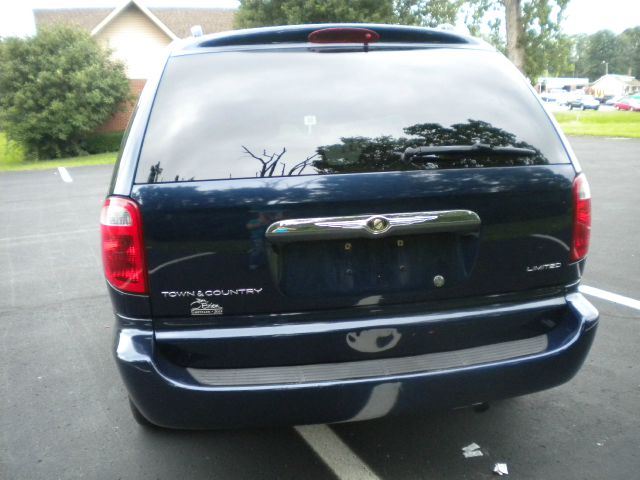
440 151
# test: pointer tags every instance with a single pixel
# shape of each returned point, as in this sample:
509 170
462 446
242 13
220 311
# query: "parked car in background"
613 100
584 102
604 99
328 223
622 104
556 95
628 103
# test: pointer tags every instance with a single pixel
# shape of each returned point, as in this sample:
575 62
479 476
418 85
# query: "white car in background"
556 95
584 102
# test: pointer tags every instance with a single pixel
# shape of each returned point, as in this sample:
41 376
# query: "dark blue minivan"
328 223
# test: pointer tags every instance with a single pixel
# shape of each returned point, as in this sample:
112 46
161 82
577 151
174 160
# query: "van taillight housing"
581 218
122 246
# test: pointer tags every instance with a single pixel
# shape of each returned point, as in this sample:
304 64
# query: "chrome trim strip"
370 226
301 374
291 329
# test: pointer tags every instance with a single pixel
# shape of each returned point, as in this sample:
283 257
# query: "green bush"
55 89
11 153
103 142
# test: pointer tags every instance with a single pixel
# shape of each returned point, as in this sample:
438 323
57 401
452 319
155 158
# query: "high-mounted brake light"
581 218
344 35
122 246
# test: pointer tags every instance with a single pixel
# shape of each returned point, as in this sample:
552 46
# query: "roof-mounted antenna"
196 31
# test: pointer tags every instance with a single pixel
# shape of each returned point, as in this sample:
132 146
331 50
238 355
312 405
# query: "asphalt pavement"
64 414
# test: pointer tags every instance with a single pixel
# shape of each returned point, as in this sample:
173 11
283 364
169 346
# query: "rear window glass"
267 114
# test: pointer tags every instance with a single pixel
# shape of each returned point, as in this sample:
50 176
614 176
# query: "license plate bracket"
359 267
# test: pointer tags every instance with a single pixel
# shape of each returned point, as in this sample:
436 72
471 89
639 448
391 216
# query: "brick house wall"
119 121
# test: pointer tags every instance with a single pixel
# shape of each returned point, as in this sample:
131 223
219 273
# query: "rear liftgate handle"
372 226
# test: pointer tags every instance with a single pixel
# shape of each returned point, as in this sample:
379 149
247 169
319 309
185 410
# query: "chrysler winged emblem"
378 224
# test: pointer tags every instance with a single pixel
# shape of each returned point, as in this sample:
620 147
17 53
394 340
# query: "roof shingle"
178 20
85 18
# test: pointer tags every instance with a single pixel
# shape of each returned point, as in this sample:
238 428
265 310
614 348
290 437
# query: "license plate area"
357 267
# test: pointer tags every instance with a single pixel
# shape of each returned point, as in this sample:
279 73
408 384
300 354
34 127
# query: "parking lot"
63 409
554 107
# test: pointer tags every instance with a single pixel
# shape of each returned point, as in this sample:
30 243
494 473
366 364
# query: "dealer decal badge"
203 307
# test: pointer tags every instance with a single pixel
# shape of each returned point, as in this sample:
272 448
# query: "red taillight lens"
581 218
122 246
343 35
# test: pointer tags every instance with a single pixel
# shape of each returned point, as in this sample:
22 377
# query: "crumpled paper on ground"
501 469
472 450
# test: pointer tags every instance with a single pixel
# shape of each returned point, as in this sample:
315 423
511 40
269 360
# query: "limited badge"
202 307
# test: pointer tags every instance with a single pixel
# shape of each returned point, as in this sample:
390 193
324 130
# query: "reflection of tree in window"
358 154
156 170
387 153
481 145
363 154
272 165
154 173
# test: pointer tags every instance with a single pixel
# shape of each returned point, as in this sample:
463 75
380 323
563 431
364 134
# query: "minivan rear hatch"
277 181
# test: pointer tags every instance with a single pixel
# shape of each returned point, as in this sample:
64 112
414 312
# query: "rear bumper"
176 397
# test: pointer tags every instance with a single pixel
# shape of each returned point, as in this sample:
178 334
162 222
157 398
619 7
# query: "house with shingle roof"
136 35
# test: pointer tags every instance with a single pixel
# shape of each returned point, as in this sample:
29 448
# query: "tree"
534 39
515 32
602 53
258 13
427 13
630 51
579 58
55 89
547 48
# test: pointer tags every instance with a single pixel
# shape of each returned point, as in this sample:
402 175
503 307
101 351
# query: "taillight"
581 218
122 245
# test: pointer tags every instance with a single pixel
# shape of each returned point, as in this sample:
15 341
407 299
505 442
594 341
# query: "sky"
583 16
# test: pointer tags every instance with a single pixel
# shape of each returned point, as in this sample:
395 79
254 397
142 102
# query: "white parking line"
335 453
64 175
612 297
